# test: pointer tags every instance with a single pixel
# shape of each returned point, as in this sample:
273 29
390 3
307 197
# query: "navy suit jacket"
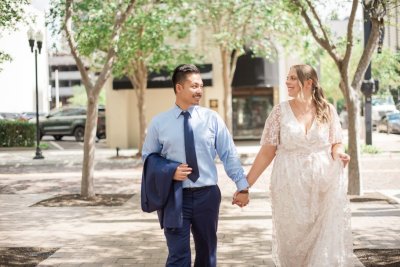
159 192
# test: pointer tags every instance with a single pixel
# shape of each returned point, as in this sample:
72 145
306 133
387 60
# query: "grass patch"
365 149
44 146
369 149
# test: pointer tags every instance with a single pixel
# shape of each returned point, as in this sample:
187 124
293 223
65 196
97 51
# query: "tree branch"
72 44
349 43
319 22
322 41
214 22
367 54
233 59
246 23
119 21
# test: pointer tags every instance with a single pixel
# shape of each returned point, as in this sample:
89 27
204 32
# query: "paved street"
125 236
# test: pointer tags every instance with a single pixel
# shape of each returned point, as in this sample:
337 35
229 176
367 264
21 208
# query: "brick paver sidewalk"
125 236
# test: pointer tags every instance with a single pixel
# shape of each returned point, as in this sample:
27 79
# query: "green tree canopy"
234 26
11 12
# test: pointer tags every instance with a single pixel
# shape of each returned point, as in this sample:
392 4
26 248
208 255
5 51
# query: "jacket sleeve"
156 182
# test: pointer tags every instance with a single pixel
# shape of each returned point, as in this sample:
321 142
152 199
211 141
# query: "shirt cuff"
242 184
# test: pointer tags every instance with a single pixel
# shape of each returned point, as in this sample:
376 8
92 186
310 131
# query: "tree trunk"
142 110
87 185
353 111
227 88
142 117
93 91
138 78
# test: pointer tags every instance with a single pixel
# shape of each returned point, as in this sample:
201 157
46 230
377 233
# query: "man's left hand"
240 199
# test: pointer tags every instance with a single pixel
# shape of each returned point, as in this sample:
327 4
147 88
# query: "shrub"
369 149
17 134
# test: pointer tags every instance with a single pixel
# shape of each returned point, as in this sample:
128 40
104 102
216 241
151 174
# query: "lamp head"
31 38
39 36
39 40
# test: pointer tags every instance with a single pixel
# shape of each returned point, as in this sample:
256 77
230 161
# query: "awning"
162 79
255 72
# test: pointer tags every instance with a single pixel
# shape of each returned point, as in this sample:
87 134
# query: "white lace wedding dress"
310 209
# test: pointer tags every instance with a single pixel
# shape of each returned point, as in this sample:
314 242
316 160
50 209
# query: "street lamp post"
38 37
369 85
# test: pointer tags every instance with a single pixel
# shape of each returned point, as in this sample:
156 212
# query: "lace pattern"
270 135
335 128
310 209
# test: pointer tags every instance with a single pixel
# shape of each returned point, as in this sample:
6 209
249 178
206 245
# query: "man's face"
190 91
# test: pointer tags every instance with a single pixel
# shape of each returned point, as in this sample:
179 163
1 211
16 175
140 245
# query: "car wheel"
101 136
78 133
58 137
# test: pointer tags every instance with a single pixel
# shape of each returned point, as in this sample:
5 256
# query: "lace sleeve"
270 135
335 128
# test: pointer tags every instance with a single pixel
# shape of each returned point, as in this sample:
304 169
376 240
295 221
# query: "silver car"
390 123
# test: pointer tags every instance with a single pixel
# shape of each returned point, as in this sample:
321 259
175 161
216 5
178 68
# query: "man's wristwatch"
244 191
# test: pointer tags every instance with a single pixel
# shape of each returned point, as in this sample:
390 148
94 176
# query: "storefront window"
249 115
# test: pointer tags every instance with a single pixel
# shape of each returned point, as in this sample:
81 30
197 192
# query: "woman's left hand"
345 158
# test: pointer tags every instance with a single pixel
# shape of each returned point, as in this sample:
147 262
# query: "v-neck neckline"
301 125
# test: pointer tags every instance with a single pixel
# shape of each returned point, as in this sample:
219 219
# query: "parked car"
70 121
390 123
26 116
381 105
9 116
344 119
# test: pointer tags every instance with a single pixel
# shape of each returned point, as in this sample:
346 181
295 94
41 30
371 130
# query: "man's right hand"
182 172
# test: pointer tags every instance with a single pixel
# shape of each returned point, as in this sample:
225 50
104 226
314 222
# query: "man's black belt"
192 189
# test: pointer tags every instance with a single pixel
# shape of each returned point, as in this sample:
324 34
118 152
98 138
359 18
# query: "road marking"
56 145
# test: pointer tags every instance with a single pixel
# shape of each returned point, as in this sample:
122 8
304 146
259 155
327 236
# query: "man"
194 135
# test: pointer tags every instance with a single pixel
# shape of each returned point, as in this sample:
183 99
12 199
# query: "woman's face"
292 83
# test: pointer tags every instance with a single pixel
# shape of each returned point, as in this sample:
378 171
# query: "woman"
310 211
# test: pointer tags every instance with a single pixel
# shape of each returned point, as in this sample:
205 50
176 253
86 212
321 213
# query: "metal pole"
368 85
57 90
38 151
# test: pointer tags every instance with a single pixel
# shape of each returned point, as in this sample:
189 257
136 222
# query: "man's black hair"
181 71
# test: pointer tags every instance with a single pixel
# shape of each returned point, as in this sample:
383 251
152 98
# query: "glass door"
249 115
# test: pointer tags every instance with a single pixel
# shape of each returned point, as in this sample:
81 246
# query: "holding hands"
241 198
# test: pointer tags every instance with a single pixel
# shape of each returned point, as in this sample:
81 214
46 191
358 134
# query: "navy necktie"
190 149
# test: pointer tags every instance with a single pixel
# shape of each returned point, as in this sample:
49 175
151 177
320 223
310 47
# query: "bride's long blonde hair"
305 72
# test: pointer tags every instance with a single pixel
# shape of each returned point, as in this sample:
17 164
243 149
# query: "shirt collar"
177 110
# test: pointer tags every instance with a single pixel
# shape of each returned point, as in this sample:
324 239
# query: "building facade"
64 75
257 86
17 79
392 29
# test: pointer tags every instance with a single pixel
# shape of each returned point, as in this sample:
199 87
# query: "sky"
41 4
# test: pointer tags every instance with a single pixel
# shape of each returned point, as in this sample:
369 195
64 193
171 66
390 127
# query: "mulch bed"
76 200
372 197
24 256
378 257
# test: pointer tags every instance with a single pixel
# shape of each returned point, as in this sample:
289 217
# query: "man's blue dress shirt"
165 136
